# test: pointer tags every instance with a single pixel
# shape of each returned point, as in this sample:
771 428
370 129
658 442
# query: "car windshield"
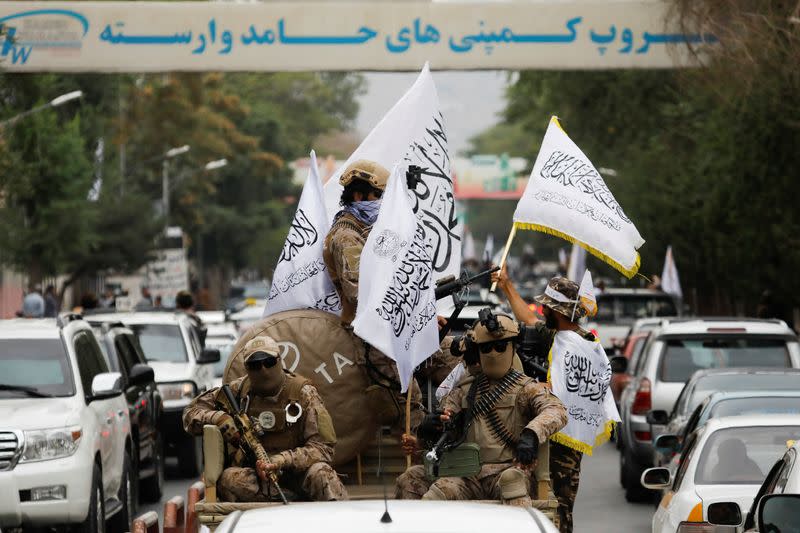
682 357
618 308
773 405
225 347
161 342
742 455
40 365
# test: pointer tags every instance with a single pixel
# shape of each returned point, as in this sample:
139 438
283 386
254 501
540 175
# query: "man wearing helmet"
504 412
298 431
561 310
364 182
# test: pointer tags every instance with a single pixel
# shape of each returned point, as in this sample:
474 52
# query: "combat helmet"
365 170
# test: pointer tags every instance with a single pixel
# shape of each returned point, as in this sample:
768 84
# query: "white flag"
577 263
586 296
396 302
301 280
488 249
468 250
670 281
567 197
580 375
413 132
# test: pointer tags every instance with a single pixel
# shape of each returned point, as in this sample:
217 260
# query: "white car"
248 316
404 516
183 369
65 437
618 309
221 336
724 461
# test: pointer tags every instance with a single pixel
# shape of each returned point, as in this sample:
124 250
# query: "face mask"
497 364
267 381
366 211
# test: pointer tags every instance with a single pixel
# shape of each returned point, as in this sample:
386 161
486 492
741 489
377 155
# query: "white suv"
183 369
65 442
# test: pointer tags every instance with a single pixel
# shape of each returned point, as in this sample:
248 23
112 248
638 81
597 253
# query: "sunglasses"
497 346
269 362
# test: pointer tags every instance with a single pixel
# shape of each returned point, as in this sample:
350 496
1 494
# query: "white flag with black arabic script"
396 302
567 197
412 133
301 280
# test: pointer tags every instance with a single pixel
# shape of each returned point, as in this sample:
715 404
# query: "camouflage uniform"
531 403
342 256
565 462
303 449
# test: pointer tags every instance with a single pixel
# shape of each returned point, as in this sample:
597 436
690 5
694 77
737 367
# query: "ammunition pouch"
462 461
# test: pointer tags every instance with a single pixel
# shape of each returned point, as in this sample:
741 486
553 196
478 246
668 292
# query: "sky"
471 101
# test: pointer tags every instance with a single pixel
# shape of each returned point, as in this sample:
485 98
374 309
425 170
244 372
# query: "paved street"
601 505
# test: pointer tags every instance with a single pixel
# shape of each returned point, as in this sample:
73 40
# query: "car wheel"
634 491
121 522
153 487
190 457
95 519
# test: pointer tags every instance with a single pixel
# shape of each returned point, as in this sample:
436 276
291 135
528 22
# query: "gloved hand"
228 428
431 426
528 447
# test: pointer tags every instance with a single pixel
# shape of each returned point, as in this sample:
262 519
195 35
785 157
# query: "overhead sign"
297 36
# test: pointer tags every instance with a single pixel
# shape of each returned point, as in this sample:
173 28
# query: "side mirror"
779 512
141 374
657 417
619 364
725 514
106 385
656 478
668 443
207 356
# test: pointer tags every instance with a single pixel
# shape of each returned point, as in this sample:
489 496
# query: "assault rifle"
528 348
250 433
451 286
452 435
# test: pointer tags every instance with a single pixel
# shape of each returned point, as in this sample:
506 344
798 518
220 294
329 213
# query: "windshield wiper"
30 391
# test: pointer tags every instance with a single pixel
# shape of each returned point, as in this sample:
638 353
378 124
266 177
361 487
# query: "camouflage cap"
507 328
260 345
560 295
369 171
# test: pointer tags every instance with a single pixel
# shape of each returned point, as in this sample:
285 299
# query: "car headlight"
46 444
177 391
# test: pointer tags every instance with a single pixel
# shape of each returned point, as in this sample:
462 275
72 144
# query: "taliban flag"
567 197
301 280
670 281
412 133
396 301
586 297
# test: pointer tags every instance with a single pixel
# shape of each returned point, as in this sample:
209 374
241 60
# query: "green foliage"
236 217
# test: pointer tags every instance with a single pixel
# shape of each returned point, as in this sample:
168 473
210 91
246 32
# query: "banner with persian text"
299 36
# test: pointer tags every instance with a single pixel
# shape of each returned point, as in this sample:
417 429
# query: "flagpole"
408 423
505 252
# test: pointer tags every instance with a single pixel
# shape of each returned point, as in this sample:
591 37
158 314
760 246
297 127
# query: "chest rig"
494 422
279 419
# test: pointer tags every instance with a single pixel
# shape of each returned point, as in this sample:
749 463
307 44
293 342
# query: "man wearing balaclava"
507 414
364 182
561 309
298 431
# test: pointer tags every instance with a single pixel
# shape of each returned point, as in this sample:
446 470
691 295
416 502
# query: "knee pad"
513 483
434 493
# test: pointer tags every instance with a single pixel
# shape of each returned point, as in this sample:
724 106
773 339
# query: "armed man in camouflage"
558 306
504 412
364 182
298 431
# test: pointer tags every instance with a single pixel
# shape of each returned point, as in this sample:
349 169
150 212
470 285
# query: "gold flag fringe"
628 272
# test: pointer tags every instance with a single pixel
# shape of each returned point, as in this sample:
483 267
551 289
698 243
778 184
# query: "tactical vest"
494 449
346 222
280 435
